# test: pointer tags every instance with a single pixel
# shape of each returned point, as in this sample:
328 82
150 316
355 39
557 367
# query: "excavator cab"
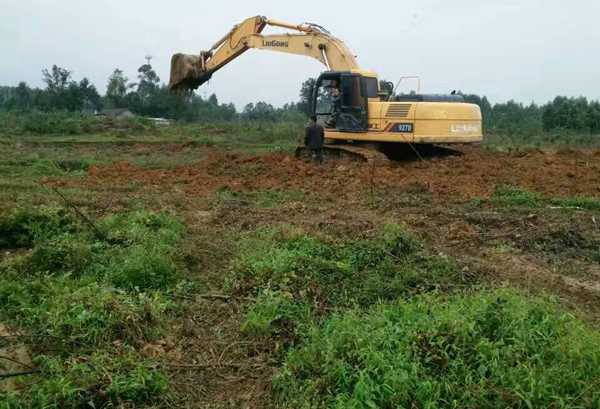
340 101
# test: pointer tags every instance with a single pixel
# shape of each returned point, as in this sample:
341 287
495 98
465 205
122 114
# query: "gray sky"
527 50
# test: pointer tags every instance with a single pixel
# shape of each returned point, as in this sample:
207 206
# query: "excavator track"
369 155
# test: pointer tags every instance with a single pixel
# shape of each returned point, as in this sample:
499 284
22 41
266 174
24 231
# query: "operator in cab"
336 102
314 138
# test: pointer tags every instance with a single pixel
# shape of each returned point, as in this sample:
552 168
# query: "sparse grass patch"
267 199
492 349
565 242
275 313
588 203
68 313
514 196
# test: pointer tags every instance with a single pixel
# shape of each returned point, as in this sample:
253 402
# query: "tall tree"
57 79
306 92
22 97
90 98
148 81
116 90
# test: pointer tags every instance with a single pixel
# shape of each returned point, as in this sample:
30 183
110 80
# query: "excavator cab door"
354 115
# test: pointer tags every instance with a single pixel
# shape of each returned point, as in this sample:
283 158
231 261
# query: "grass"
513 196
522 141
67 128
294 274
373 319
88 302
494 349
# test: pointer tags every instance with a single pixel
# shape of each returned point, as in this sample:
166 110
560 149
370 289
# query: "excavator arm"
191 71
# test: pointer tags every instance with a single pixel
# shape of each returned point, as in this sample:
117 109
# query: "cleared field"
276 272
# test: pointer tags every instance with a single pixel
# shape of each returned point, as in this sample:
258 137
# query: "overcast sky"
527 50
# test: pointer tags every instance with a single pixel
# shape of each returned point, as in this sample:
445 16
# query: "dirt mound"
476 173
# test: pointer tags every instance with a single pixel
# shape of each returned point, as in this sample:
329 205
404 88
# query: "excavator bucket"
186 72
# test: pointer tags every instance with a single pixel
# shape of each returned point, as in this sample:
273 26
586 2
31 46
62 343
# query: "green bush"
42 123
486 350
65 253
20 227
141 227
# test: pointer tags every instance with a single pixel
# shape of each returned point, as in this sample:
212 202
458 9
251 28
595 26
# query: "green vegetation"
562 122
291 272
145 97
67 123
379 322
507 195
494 349
514 196
87 299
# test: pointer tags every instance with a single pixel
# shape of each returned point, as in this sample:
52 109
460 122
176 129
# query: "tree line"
147 96
561 114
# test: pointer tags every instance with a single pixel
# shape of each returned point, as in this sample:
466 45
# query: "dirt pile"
475 173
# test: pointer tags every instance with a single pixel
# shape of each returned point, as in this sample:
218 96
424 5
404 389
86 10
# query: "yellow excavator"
346 98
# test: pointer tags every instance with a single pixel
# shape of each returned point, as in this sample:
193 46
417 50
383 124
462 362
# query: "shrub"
142 227
65 253
494 349
23 225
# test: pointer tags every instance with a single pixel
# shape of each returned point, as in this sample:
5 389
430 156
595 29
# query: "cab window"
371 86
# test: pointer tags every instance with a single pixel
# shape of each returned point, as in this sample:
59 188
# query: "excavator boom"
191 71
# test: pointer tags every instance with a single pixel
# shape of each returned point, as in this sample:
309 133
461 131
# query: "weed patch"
514 196
493 349
88 303
109 378
289 270
507 195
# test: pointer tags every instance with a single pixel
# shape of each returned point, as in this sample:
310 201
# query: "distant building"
116 113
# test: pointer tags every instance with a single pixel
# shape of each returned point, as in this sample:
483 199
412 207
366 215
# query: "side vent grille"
398 110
